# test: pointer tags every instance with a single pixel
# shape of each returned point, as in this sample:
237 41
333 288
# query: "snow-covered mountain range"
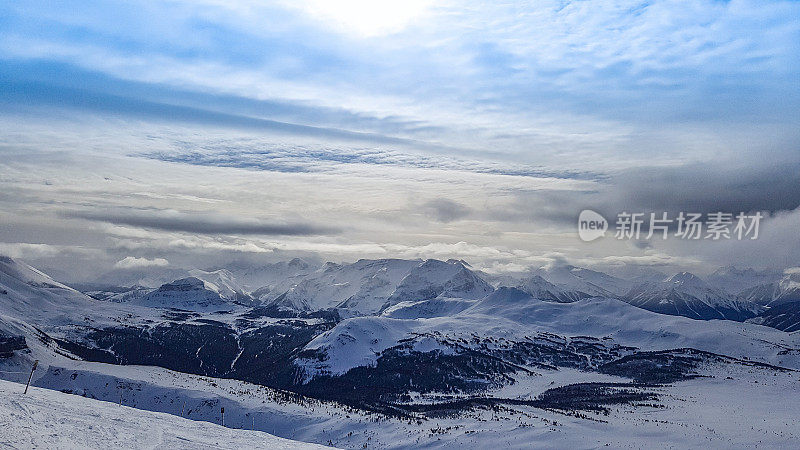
685 294
410 339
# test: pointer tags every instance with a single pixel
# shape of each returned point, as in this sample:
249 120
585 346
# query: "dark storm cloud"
199 223
704 189
691 188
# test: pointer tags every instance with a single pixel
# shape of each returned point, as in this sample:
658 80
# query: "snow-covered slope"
435 307
685 294
738 407
783 316
17 270
26 293
510 313
629 325
46 418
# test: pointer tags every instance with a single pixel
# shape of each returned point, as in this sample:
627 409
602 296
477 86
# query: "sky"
195 134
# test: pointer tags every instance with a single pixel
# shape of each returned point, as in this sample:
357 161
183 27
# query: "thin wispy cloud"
208 223
481 71
317 158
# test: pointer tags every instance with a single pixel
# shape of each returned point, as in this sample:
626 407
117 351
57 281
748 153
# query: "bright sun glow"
366 17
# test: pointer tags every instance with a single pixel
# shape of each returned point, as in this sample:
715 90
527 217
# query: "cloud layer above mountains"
201 132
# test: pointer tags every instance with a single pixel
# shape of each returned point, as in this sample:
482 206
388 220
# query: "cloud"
326 158
29 250
132 262
201 223
445 210
48 96
743 186
515 117
548 79
746 185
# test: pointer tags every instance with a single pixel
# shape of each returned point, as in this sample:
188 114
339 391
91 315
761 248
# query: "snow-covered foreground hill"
730 406
46 418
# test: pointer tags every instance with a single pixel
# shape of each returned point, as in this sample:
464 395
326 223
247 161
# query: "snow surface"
26 293
223 283
729 407
687 294
435 278
437 307
270 279
46 418
734 407
513 314
589 281
362 287
187 293
733 280
542 289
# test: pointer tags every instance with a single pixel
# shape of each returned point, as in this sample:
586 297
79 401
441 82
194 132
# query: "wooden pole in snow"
222 411
35 364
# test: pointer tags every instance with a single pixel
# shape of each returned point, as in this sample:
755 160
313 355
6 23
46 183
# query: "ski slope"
46 418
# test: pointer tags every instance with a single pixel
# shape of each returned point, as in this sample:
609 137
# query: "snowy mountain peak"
189 293
584 280
686 294
683 276
434 278
30 294
458 261
299 263
185 284
362 287
790 281
687 279
784 290
734 280
223 283
542 289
